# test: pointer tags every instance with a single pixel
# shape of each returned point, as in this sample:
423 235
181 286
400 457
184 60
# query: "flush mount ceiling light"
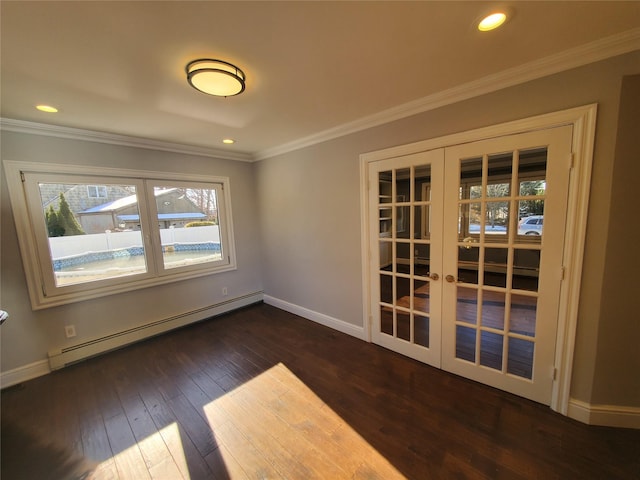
215 77
492 21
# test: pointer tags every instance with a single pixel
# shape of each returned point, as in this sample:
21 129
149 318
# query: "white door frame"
583 120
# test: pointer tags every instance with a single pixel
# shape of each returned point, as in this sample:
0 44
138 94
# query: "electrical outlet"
70 331
224 291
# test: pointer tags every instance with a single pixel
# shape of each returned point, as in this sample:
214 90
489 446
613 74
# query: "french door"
407 201
457 280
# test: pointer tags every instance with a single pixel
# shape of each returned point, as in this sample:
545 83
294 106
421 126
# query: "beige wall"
27 336
297 228
310 213
618 349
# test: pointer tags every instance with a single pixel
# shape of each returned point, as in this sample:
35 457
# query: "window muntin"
127 241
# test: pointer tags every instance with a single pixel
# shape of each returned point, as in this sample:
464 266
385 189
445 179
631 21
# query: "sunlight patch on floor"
275 426
157 456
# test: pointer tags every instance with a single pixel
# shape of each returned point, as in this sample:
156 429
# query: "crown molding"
21 126
602 49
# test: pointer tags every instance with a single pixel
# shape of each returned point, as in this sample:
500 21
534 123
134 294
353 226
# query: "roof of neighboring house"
122 202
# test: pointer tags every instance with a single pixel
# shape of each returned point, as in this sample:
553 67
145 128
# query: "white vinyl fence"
104 242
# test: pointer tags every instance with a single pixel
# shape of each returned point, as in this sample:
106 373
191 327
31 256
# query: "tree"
497 212
67 219
205 200
54 228
531 188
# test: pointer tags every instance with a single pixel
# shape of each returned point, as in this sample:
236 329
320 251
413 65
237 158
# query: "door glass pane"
403 185
532 184
499 175
493 309
93 231
467 305
403 257
520 357
386 252
404 325
402 222
384 217
531 188
532 171
386 288
471 174
466 343
421 191
468 264
421 225
421 330
491 350
496 220
495 267
421 259
421 295
402 291
526 268
463 221
386 320
470 219
384 187
530 228
523 315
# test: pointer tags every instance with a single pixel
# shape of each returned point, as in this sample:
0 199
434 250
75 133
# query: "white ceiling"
314 69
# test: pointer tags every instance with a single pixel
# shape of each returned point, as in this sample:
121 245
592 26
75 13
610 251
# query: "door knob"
450 278
434 276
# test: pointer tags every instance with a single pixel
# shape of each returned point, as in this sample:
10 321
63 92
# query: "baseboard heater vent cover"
59 358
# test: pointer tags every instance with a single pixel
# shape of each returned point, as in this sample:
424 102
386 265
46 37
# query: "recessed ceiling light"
47 108
228 141
492 21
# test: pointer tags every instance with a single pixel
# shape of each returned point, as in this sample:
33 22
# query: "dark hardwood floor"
261 393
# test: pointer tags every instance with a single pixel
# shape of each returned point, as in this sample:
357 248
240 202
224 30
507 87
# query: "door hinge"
22 176
554 374
571 160
563 271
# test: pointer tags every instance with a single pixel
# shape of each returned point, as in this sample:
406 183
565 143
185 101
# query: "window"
154 228
97 191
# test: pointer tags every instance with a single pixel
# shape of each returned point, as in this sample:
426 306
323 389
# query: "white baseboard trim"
321 318
58 358
24 373
604 415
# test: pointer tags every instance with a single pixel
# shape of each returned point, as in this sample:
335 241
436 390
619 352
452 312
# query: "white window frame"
33 238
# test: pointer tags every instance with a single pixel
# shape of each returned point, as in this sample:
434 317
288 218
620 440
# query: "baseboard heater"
62 357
